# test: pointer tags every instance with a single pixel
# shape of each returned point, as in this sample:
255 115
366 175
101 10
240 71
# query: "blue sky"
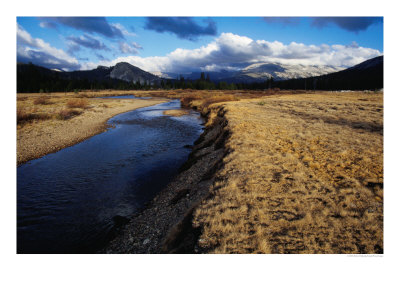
185 44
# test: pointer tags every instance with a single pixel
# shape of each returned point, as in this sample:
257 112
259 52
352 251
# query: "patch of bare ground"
47 123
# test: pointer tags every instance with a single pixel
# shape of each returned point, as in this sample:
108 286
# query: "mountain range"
123 73
260 72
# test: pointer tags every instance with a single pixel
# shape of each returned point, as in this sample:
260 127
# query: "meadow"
302 172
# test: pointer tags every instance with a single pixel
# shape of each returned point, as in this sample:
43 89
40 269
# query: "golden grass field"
303 171
304 174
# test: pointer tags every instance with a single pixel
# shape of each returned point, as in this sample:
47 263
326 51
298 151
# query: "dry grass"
35 108
66 114
176 112
42 101
78 103
24 116
303 171
304 174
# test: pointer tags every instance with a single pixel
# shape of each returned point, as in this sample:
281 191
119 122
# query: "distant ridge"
367 75
127 72
33 78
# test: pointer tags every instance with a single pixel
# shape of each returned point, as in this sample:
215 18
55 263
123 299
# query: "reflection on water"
66 200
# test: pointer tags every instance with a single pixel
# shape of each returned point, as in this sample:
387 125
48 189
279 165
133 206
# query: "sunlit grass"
304 174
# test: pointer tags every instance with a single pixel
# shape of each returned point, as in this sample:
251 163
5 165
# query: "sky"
187 44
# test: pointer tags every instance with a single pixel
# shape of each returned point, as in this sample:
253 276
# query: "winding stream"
70 201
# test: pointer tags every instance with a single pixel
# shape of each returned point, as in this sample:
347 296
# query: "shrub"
85 95
41 101
222 98
24 116
77 103
66 114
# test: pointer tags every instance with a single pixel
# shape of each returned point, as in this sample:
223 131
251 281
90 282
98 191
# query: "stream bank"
37 139
164 225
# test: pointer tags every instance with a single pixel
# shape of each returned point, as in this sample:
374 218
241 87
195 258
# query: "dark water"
66 201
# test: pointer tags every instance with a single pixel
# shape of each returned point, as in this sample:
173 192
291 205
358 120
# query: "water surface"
67 201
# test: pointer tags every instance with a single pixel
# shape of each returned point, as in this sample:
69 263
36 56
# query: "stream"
72 201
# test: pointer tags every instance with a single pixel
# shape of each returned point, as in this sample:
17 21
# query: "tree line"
32 79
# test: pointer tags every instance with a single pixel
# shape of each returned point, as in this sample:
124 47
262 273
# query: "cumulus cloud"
354 24
127 49
87 24
75 43
230 51
182 27
39 52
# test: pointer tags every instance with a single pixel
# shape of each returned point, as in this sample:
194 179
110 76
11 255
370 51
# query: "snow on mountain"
282 71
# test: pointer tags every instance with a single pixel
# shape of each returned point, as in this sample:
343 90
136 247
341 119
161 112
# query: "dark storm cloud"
182 27
87 42
354 24
87 24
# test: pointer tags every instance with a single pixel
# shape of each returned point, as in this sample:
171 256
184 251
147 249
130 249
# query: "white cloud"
230 51
39 52
136 45
123 29
127 49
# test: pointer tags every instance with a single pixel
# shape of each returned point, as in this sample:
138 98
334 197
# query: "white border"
202 276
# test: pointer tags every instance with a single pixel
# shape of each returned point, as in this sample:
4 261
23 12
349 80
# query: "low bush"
24 116
66 114
41 101
77 103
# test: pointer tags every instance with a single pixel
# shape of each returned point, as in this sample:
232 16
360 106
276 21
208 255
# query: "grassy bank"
303 174
274 172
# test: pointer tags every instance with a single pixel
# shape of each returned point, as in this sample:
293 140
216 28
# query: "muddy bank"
164 225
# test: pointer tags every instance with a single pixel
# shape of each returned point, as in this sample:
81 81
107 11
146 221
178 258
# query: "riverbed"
73 200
